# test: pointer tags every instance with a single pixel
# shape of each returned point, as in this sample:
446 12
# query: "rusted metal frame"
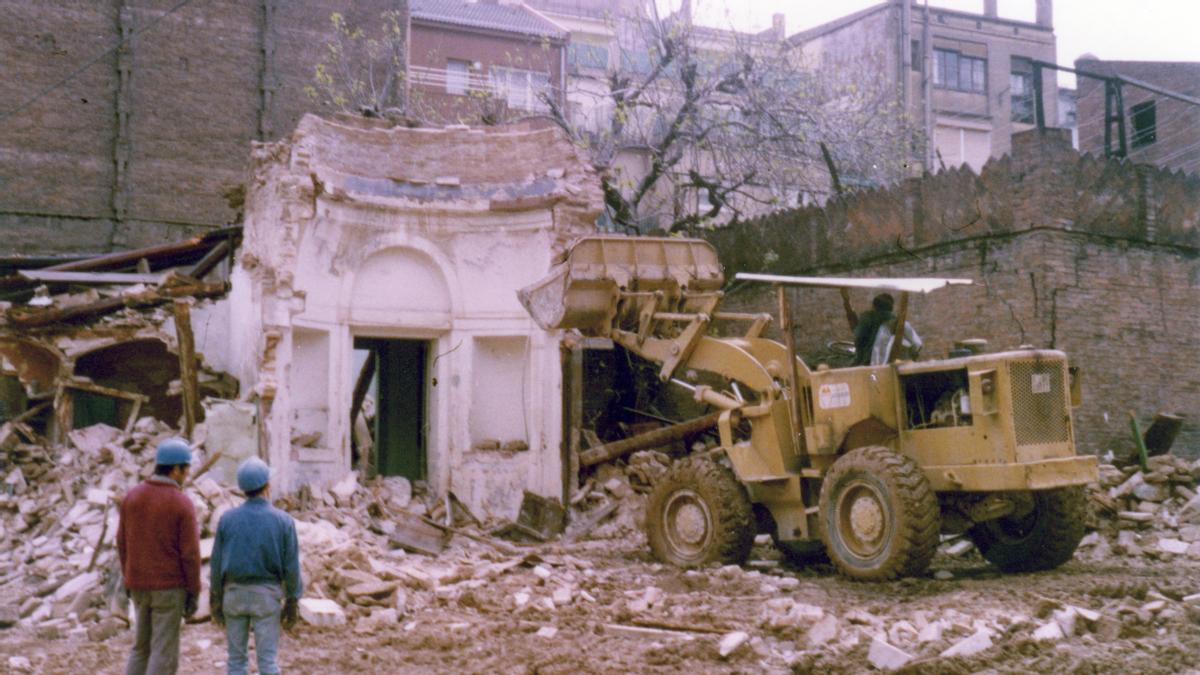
1038 107
1119 103
89 278
158 255
898 331
210 260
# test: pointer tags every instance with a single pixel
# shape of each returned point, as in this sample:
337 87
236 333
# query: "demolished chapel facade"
382 263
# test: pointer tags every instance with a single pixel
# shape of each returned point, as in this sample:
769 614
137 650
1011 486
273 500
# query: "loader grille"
1039 402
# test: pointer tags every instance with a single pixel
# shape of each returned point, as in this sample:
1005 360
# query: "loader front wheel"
698 513
1042 539
879 516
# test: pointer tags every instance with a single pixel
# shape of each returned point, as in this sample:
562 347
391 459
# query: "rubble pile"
58 524
59 515
1153 513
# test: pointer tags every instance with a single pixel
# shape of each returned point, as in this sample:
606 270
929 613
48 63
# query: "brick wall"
1096 258
73 178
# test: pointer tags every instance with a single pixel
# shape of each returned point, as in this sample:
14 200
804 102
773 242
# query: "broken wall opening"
143 366
400 382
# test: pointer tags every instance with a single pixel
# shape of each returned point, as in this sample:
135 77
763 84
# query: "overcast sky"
1124 30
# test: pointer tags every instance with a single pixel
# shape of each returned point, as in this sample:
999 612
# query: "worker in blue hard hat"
159 546
255 584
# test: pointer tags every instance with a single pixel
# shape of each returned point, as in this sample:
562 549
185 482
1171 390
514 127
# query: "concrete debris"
547 632
1066 620
1152 513
1049 632
978 641
884 656
959 548
1174 546
62 567
823 632
785 613
931 632
321 612
731 642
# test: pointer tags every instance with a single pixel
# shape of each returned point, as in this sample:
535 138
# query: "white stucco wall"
333 253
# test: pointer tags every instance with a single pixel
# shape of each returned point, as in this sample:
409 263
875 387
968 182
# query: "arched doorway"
400 299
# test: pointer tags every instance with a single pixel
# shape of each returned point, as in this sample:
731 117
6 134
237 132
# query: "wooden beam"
187 365
650 439
23 318
898 330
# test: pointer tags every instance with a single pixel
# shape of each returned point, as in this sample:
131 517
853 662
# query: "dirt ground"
483 628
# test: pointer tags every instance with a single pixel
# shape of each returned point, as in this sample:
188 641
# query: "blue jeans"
254 608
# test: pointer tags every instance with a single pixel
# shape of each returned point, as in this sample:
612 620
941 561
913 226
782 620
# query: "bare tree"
697 126
363 70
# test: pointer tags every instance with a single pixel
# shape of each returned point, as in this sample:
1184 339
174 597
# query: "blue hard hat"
253 474
173 452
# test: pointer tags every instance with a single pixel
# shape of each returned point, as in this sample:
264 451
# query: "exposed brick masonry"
193 99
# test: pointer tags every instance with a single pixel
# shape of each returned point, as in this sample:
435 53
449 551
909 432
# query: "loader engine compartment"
936 400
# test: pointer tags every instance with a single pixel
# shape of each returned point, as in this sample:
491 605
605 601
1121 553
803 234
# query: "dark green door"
400 416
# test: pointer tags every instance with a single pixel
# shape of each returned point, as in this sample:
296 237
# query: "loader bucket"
585 291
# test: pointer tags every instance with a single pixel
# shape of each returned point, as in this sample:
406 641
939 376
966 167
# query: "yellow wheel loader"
866 465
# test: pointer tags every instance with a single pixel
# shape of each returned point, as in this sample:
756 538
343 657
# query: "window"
583 55
917 56
1021 87
458 76
1145 124
952 70
521 89
635 61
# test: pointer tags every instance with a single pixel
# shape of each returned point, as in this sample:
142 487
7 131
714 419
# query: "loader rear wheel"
698 513
879 516
1042 539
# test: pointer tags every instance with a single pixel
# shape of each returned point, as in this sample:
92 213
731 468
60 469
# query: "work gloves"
291 613
190 604
218 614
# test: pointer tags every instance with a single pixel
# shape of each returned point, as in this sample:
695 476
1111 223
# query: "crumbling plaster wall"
356 230
1095 257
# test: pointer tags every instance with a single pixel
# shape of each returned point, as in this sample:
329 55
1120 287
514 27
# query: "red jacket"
158 540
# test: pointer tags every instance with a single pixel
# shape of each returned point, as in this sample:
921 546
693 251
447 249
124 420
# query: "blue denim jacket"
256 544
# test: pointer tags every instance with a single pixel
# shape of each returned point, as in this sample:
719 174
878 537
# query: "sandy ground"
1144 627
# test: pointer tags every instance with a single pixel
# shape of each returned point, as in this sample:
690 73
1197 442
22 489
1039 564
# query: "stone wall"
1098 258
139 146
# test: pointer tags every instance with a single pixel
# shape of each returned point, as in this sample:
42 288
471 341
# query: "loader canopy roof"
903 285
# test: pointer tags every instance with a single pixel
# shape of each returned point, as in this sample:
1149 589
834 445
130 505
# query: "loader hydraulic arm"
658 298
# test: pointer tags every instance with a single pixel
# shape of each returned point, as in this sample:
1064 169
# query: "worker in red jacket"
159 545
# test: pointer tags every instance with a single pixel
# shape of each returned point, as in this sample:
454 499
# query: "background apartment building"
1159 129
965 80
483 61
